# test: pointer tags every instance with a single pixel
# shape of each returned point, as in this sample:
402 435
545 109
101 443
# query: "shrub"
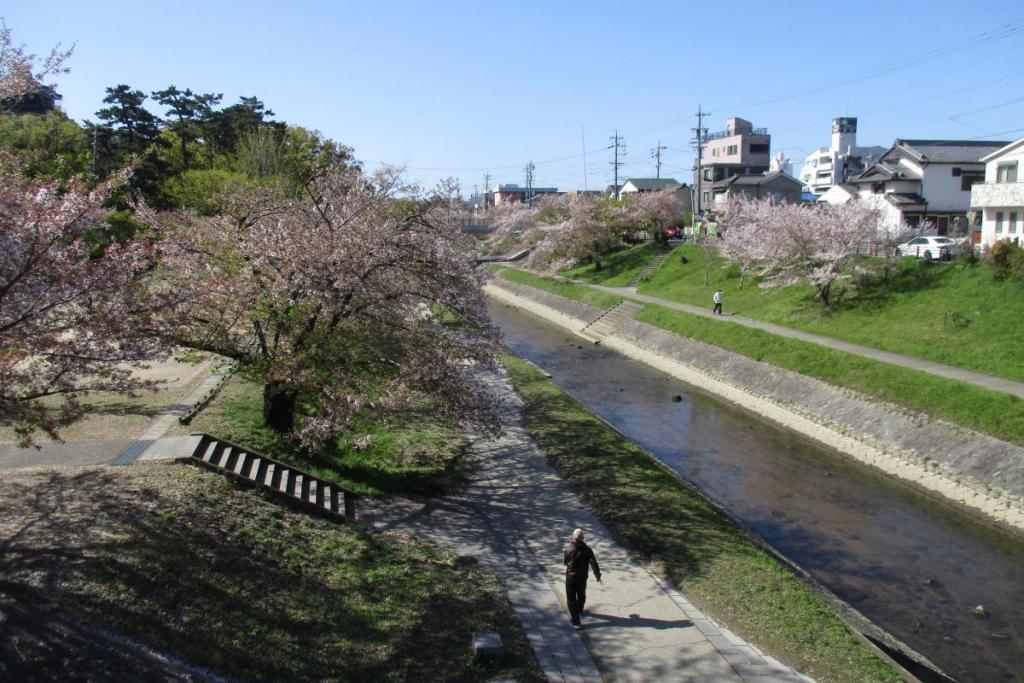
1006 259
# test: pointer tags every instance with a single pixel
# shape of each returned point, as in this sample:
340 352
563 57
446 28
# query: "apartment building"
740 149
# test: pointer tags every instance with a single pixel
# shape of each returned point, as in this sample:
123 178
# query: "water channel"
915 567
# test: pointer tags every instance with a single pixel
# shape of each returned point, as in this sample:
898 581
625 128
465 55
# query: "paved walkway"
947 371
117 449
515 517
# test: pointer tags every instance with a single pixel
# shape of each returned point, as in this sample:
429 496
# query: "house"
843 159
641 185
635 185
775 185
738 150
927 183
838 194
1000 198
514 194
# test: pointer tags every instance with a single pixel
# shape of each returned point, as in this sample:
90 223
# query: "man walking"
717 298
578 560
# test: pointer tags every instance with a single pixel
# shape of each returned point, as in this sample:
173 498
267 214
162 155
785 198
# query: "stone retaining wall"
974 470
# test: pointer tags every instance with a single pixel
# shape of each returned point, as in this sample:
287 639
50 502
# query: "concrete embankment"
978 472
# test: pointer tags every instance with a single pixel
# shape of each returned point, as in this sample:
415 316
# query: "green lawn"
413 453
617 268
579 293
224 578
905 313
725 573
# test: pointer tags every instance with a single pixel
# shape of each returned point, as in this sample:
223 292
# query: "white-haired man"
578 560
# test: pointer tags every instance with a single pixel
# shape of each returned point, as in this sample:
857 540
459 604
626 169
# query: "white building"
843 159
927 183
1001 197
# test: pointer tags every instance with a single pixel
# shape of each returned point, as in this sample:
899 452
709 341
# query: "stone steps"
610 320
282 479
646 271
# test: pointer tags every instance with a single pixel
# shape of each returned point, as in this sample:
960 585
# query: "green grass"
617 268
223 578
579 293
904 313
703 553
413 453
986 411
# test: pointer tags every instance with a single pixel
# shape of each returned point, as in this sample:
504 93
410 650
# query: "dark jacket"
578 557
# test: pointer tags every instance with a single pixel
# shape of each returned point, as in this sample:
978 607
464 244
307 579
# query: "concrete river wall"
976 472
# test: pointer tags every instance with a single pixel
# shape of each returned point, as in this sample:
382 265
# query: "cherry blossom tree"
569 229
791 243
71 322
325 299
23 73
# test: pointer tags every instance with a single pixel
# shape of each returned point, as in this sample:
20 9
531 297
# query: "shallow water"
915 567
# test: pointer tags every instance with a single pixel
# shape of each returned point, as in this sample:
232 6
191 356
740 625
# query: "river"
915 567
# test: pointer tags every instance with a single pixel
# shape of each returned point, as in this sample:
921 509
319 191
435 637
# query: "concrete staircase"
646 271
610 320
301 488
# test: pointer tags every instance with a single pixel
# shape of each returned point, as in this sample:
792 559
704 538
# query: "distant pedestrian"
717 298
579 558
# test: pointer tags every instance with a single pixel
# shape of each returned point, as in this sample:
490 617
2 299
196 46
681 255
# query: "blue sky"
460 88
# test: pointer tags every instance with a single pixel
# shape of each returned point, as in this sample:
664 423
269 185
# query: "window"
707 197
968 178
1012 227
731 149
759 148
956 171
878 188
709 174
1006 173
999 221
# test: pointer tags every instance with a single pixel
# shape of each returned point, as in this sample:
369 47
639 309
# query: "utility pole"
656 155
487 188
698 139
529 182
617 143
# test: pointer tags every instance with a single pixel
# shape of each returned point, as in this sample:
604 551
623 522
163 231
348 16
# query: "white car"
928 248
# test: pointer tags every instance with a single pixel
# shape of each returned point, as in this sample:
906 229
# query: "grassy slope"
182 560
412 454
618 268
905 314
566 289
986 411
704 554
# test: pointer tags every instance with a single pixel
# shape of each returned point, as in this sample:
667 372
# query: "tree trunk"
279 405
823 291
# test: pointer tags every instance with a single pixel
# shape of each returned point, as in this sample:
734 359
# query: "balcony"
728 134
984 195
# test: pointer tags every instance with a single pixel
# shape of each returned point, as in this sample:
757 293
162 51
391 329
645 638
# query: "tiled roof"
754 179
905 198
949 151
881 171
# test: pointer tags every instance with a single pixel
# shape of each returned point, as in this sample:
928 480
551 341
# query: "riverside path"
947 371
515 516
